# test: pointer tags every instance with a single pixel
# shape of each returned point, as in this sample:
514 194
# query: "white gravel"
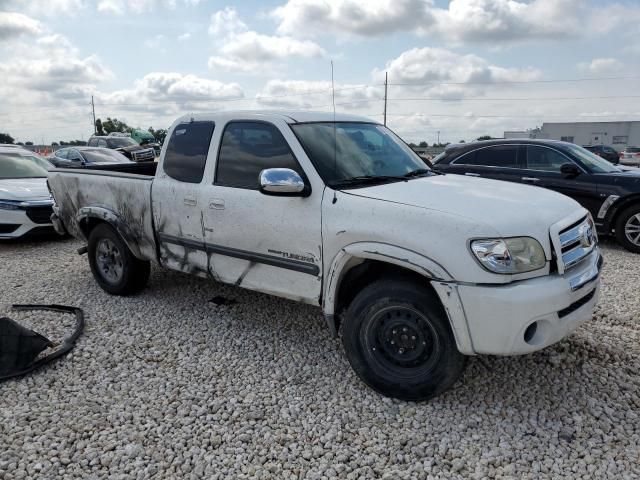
167 384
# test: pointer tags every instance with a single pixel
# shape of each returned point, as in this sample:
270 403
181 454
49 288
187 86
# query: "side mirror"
283 182
570 170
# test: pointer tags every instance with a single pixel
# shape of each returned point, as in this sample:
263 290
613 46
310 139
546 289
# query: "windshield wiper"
418 173
365 179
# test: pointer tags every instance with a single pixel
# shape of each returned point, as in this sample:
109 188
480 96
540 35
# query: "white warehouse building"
615 134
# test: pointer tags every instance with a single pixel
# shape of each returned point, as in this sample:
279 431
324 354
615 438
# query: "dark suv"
604 151
125 145
610 193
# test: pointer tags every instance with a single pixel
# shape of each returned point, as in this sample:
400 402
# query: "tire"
628 228
113 265
398 340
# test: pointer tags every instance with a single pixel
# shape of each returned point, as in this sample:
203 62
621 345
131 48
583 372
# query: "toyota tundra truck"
414 269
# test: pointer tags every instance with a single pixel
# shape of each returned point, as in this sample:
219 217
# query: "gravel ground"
170 384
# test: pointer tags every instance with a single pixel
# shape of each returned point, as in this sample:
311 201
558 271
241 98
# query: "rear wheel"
398 340
113 265
628 229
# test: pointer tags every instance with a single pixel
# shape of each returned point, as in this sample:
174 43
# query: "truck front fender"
86 214
383 252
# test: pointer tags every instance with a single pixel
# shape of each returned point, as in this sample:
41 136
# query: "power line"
517 82
463 99
541 115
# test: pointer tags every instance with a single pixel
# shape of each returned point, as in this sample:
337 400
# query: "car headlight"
9 205
509 255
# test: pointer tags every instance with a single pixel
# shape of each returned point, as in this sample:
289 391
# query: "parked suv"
610 193
630 156
604 151
125 145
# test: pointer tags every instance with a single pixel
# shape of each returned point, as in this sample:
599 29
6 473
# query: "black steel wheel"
398 340
113 265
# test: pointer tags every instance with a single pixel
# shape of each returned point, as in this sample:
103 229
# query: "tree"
423 144
28 143
54 144
99 129
6 138
461 141
159 134
484 137
114 125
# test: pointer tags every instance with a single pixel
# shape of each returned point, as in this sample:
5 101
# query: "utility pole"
386 83
438 137
93 109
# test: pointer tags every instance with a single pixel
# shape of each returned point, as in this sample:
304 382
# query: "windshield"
104 155
592 161
21 166
632 149
117 142
361 150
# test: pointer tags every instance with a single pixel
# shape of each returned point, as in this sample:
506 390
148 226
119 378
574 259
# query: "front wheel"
113 265
398 340
628 229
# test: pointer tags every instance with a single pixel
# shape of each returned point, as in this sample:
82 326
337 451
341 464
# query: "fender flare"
384 252
111 218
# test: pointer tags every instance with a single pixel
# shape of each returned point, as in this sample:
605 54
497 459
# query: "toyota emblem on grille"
586 236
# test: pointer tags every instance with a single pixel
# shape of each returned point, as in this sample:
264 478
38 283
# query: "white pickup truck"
416 269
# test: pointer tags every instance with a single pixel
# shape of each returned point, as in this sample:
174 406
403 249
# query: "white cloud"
119 7
184 37
244 50
317 95
226 22
507 20
461 21
15 24
359 17
164 91
600 66
446 74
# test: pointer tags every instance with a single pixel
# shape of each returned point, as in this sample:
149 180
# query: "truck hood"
509 209
23 189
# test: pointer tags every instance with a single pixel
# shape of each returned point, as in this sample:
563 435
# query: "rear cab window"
186 155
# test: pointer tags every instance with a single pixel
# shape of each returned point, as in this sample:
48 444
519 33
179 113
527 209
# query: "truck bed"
116 195
141 168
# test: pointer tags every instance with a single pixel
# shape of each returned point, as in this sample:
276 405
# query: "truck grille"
576 243
40 214
143 155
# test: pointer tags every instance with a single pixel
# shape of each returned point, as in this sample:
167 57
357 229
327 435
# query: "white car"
630 156
417 268
25 201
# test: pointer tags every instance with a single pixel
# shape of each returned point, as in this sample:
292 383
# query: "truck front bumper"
522 317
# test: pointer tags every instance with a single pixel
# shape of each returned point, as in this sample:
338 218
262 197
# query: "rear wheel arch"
89 218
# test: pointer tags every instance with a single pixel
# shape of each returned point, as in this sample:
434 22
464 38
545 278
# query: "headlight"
509 255
9 205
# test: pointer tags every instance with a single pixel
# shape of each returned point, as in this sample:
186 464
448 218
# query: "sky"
456 70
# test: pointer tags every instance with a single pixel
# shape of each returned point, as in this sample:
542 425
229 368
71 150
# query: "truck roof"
289 116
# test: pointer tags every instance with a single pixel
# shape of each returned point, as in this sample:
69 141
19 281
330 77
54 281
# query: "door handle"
530 179
468 174
216 204
190 201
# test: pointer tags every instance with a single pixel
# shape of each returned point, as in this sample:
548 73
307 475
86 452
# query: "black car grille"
577 304
143 155
8 227
40 214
